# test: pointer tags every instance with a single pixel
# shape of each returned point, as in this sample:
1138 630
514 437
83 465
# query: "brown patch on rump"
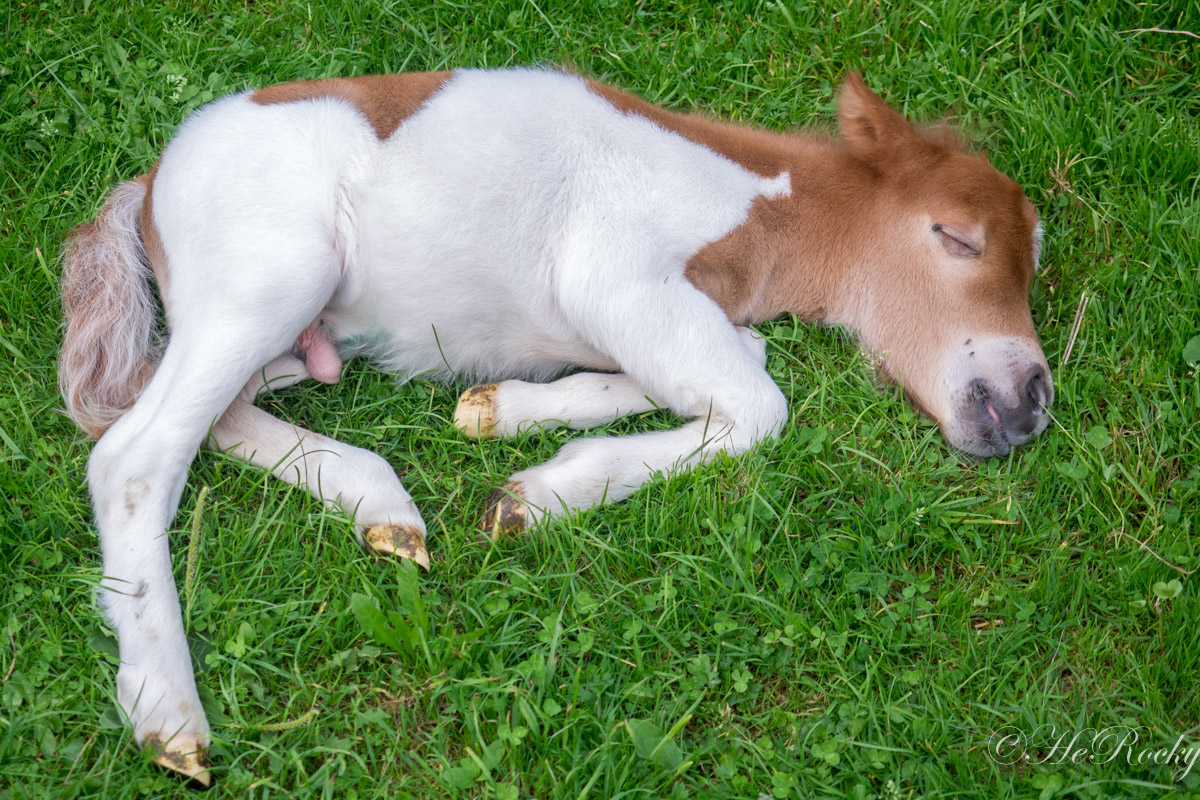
151 240
385 100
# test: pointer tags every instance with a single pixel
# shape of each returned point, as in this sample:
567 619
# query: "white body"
499 217
516 226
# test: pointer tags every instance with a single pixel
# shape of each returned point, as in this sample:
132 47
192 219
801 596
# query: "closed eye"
954 243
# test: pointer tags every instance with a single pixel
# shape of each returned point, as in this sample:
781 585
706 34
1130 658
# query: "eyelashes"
954 242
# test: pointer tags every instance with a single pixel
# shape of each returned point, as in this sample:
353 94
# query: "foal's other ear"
867 125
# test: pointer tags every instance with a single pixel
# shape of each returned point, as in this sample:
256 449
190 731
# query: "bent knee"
763 421
752 413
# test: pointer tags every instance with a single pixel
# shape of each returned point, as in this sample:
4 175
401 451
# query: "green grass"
850 611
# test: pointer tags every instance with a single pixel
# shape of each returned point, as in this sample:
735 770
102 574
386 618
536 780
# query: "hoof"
475 414
398 540
505 511
183 753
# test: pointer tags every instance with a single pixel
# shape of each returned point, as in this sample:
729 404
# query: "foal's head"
943 296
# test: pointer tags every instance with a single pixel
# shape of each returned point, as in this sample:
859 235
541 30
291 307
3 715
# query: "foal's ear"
868 126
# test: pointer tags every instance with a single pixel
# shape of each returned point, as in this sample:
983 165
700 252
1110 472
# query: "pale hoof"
184 753
505 511
475 414
398 540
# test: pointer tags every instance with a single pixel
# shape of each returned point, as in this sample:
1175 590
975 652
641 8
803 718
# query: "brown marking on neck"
385 100
792 254
737 271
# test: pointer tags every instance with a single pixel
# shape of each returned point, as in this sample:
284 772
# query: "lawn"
852 610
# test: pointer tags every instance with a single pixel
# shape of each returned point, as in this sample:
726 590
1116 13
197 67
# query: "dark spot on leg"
136 490
141 589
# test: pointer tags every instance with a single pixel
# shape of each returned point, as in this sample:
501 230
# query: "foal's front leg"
676 344
581 401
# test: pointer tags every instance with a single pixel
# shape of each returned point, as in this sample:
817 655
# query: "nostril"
979 392
1035 390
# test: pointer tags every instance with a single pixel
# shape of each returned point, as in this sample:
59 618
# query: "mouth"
993 428
992 433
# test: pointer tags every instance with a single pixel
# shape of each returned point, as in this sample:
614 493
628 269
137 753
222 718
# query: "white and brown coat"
512 226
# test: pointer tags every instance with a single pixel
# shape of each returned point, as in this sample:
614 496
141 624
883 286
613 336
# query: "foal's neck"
794 252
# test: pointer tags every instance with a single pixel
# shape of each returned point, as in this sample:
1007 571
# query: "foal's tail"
110 347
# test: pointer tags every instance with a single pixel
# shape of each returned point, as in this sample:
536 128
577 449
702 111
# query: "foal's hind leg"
358 481
136 474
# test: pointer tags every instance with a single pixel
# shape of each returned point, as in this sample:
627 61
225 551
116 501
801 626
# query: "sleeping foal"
511 226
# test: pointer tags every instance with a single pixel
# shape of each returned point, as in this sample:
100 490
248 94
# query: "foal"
511 226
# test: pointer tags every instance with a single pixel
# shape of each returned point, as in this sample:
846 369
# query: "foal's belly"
453 323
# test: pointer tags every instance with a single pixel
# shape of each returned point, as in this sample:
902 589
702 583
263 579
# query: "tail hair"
110 347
